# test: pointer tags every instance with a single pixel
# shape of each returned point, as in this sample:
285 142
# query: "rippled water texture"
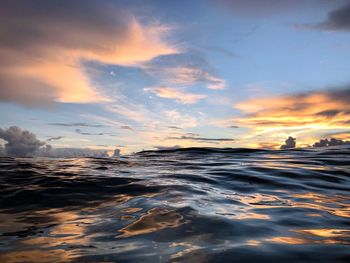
189 205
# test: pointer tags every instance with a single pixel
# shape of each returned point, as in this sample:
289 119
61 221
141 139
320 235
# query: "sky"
137 75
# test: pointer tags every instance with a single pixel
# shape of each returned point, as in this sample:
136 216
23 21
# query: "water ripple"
194 204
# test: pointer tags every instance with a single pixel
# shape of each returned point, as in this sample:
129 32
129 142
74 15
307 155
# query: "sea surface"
186 205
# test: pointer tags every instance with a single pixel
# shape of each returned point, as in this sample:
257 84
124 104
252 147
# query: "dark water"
193 205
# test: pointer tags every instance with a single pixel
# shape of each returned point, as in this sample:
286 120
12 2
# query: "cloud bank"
49 151
22 143
44 44
330 142
19 142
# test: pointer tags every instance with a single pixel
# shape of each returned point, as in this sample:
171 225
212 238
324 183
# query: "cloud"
315 110
174 127
88 133
183 70
338 20
306 115
178 94
200 139
131 111
116 153
20 142
55 138
177 118
343 134
330 142
49 151
44 44
290 143
2 150
126 127
188 76
77 124
268 8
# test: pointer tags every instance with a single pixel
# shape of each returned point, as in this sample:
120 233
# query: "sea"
183 205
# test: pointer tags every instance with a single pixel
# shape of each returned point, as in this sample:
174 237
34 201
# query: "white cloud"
180 95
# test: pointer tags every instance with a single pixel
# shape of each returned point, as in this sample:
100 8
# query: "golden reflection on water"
315 236
327 232
36 255
288 240
337 205
68 228
154 220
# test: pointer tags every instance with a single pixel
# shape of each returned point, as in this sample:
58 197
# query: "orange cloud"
312 113
314 109
42 60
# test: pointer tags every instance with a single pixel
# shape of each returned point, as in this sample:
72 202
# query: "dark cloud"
290 143
192 134
89 133
233 127
55 138
20 142
267 8
77 124
116 153
174 127
200 139
328 113
126 127
338 19
330 142
2 150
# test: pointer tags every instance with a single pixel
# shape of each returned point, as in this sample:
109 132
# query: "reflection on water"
192 205
316 236
154 220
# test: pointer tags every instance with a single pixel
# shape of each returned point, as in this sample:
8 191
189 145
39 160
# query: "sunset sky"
143 74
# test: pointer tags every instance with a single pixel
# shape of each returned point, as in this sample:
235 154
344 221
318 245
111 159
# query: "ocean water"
187 205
